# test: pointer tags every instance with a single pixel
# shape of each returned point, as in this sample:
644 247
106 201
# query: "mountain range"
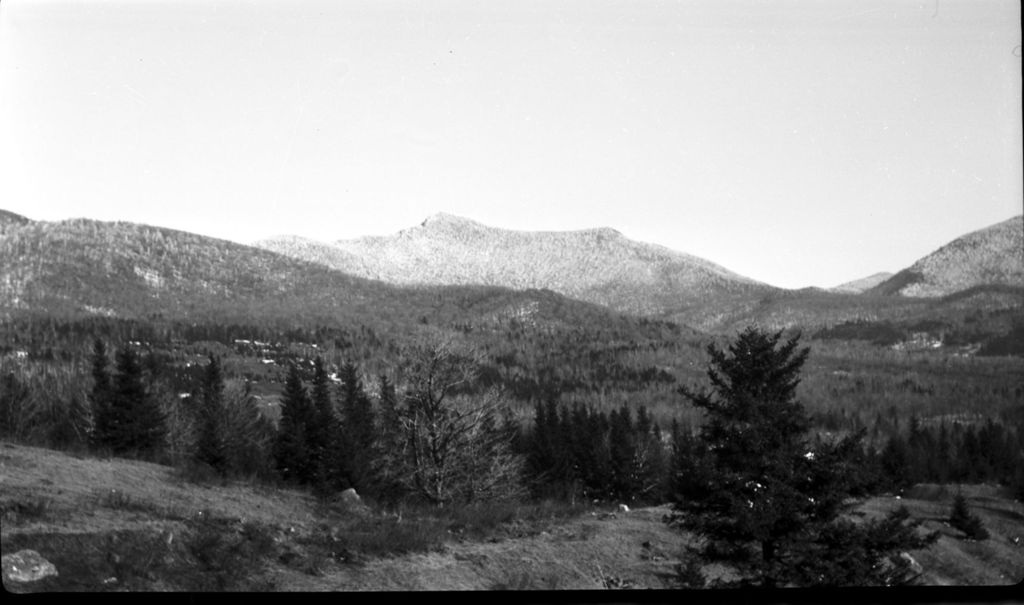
82 267
449 267
604 267
600 266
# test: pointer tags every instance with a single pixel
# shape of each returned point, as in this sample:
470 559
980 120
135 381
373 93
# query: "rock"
26 566
623 508
914 565
351 500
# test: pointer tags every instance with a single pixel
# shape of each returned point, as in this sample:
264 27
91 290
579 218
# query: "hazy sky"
799 143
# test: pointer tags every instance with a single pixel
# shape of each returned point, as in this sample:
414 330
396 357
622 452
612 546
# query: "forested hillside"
990 256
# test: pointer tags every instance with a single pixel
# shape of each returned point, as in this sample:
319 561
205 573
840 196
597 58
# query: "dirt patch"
624 550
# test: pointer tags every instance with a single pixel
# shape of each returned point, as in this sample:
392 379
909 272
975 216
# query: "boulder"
350 497
623 508
351 501
26 566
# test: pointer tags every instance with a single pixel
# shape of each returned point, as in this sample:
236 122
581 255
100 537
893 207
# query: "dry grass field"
127 525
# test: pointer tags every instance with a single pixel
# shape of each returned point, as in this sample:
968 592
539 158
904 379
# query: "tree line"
428 440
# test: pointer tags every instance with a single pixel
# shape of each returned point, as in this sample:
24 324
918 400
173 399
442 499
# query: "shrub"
967 522
226 557
37 509
690 574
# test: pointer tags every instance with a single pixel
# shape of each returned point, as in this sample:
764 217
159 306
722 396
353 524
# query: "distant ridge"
456 268
860 285
993 256
597 265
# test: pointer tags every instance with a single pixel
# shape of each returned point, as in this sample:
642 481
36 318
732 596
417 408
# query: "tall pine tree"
357 429
293 448
134 424
388 472
326 451
764 496
210 446
100 396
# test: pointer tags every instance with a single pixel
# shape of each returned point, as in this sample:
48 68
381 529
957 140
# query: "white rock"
27 566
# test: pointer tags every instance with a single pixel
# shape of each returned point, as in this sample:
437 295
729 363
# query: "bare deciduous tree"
450 445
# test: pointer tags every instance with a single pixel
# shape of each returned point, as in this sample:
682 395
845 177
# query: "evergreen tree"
358 432
592 441
136 423
1017 483
100 396
919 448
210 445
895 462
942 461
293 453
684 455
649 459
538 458
764 496
249 436
388 470
18 415
326 450
548 462
963 519
69 423
846 554
971 456
621 454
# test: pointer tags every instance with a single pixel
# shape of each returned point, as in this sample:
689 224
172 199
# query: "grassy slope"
146 536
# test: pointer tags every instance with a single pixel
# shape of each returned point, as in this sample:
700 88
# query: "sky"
799 143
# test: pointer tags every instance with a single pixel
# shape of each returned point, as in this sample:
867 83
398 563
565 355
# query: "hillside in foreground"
115 524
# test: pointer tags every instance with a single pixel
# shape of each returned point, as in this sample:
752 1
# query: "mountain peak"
446 219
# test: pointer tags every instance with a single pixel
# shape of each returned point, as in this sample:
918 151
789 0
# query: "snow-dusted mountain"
595 265
993 256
